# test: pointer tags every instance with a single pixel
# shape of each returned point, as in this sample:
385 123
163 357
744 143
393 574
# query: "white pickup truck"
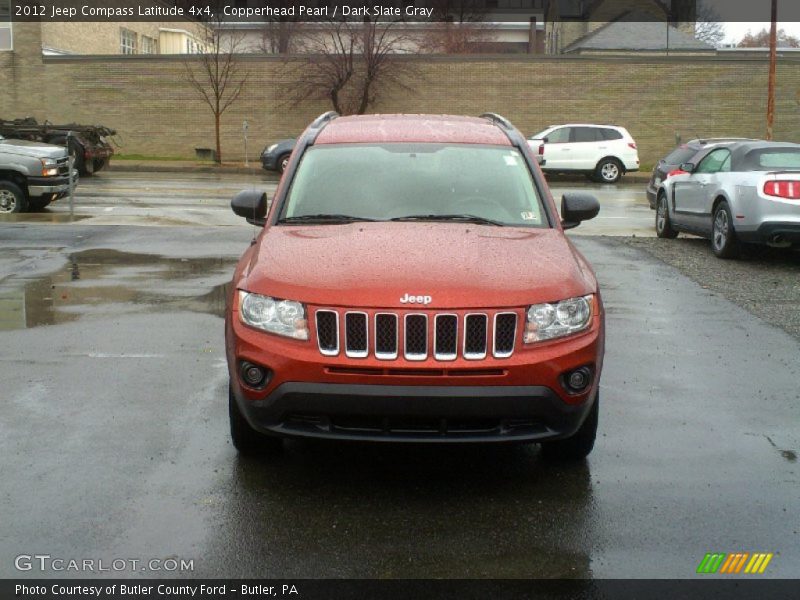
32 175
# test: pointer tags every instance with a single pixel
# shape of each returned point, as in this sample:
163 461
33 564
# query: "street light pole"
773 60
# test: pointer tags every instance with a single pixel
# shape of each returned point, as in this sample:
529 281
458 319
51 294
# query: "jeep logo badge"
409 299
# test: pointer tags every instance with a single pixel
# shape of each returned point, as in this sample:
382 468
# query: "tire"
100 164
580 444
608 170
39 203
283 162
663 224
723 236
12 198
245 439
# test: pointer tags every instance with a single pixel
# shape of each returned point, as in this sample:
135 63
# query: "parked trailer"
88 144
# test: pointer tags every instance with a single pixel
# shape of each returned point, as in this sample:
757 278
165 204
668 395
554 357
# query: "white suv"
603 152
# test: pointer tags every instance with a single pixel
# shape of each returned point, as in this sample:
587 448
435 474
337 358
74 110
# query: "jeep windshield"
467 183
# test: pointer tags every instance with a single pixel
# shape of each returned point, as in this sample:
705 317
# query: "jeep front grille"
416 336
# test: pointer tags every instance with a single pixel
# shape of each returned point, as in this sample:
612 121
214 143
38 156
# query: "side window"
558 136
715 161
610 134
585 134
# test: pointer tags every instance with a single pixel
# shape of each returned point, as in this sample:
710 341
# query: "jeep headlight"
49 167
559 319
282 317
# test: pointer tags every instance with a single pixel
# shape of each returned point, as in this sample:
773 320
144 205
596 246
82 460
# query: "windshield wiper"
463 218
323 218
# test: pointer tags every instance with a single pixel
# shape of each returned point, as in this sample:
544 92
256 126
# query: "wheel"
580 444
663 225
12 199
283 162
723 237
100 164
40 203
246 439
608 170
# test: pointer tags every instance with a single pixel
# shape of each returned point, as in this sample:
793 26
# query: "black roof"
744 153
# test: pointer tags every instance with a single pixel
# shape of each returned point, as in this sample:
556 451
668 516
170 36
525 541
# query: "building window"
149 45
127 42
6 37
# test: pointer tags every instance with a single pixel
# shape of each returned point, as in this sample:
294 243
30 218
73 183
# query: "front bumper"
430 414
42 186
519 398
269 162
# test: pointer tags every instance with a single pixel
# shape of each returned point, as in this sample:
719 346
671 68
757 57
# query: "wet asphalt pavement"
114 442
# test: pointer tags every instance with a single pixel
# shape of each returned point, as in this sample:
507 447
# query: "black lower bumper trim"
768 232
415 413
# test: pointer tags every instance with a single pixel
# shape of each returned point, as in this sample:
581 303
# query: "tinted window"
680 155
558 136
715 161
773 159
388 181
585 134
610 134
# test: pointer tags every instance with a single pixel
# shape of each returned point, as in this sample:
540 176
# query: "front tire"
580 444
12 198
663 224
723 237
608 170
245 439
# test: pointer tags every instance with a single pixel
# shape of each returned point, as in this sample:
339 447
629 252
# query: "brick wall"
157 113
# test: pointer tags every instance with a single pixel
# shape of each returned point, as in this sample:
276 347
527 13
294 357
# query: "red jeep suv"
412 283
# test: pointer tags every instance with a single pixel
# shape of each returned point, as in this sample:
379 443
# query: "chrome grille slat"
328 332
476 332
415 341
445 337
386 336
356 334
473 335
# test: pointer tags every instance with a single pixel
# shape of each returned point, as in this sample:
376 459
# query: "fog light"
252 375
578 380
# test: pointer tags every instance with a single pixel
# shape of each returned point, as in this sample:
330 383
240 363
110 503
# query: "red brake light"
541 149
632 145
676 172
783 189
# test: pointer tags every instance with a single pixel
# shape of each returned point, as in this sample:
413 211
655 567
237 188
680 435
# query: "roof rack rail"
499 119
323 118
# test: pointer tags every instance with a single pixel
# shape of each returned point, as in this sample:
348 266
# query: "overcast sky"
736 31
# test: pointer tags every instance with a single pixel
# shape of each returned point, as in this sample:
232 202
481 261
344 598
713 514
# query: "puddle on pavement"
42 217
111 282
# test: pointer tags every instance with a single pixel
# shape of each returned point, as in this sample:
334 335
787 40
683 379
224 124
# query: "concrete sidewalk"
187 166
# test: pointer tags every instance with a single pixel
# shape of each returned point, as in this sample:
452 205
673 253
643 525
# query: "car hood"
374 265
32 149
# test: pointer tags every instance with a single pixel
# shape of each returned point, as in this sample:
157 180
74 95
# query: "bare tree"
217 74
280 33
460 28
707 27
351 63
760 39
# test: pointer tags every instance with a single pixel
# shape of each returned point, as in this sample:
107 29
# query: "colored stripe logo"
735 563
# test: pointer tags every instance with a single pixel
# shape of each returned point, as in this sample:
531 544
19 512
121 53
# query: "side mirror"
252 205
688 167
577 207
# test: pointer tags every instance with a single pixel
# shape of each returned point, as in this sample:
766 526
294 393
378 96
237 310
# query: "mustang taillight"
541 149
783 189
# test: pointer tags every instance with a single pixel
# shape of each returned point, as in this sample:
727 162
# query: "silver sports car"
742 192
